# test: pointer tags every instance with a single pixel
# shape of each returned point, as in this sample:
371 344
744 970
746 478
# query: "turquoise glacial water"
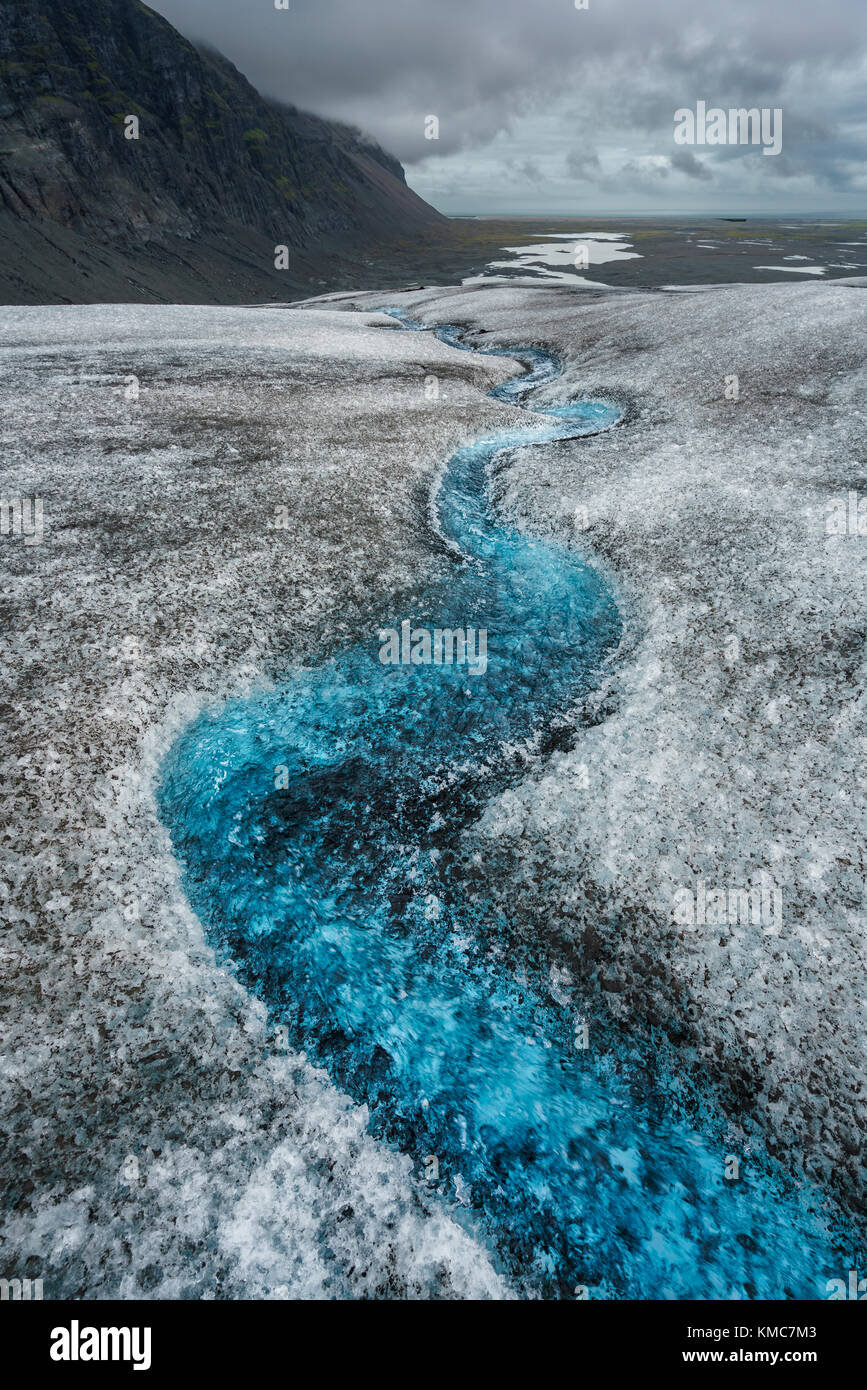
320 829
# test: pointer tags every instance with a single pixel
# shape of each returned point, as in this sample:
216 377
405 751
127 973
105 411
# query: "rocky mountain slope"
193 208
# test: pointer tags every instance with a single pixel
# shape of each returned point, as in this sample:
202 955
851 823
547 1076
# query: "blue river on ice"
319 825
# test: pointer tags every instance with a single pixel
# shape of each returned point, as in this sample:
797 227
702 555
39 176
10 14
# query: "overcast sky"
545 108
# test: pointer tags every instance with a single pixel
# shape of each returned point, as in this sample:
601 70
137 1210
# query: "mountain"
193 209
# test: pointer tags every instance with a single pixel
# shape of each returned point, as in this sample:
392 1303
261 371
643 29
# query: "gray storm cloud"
550 88
686 162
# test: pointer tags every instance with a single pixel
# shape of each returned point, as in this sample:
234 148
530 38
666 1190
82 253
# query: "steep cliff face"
194 206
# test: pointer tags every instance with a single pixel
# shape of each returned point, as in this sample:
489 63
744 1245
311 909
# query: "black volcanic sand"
668 248
61 265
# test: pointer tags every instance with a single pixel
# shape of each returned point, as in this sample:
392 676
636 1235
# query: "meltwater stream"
320 824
